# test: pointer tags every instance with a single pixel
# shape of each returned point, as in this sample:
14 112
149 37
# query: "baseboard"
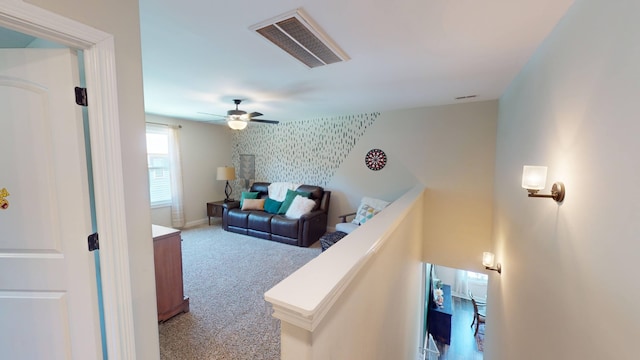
195 223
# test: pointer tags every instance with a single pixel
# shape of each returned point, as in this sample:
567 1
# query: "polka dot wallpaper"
306 152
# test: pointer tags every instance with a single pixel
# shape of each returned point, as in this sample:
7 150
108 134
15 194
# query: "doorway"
451 319
99 51
26 48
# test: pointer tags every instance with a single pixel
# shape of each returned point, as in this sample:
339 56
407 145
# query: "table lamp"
227 173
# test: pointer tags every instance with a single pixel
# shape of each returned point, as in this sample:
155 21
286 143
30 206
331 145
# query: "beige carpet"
225 277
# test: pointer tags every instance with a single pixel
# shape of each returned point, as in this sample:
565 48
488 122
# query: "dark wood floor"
463 343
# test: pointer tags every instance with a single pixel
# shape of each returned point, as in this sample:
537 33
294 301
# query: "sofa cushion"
253 204
283 226
259 220
261 187
237 217
248 195
315 191
272 206
289 199
299 207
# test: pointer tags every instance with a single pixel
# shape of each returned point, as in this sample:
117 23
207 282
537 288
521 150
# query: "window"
477 276
159 165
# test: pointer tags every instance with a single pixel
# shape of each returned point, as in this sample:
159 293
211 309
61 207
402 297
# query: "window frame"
164 131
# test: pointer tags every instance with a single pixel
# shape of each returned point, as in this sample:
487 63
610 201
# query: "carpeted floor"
225 278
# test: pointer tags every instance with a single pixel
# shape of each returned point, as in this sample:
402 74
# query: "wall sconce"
488 259
534 179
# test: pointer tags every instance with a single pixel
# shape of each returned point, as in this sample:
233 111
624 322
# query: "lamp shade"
237 124
226 173
488 258
534 177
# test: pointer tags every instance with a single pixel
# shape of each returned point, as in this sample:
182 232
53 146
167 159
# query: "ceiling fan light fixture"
236 124
236 112
238 119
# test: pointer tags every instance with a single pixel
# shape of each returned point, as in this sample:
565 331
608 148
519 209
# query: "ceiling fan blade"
204 113
265 121
216 121
255 114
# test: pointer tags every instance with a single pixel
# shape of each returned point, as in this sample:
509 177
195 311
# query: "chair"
481 305
344 226
479 302
478 317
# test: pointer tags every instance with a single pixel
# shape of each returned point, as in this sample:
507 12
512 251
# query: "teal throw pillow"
248 195
272 206
289 199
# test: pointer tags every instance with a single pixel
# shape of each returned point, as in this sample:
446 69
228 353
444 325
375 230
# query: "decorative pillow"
368 208
289 199
299 207
248 195
364 214
253 204
375 203
272 206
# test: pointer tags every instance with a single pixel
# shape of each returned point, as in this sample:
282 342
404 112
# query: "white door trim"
100 72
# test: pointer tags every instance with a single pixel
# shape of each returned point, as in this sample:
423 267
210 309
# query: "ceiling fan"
239 119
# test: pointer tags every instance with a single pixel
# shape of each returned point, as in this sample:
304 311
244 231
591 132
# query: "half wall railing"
360 299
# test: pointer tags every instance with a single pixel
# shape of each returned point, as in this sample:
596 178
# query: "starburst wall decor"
375 159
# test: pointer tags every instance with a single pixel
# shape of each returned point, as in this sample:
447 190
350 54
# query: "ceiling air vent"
295 33
466 97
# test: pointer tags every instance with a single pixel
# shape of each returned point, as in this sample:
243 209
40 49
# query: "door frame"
100 72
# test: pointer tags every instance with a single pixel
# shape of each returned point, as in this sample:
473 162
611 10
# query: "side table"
214 208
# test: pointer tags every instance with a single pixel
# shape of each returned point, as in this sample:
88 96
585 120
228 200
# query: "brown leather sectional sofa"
301 232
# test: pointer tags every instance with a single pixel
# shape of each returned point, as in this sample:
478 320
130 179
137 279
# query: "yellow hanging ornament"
4 204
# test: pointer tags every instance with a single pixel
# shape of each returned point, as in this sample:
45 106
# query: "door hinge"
93 242
81 96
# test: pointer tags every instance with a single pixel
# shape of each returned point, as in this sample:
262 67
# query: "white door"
48 296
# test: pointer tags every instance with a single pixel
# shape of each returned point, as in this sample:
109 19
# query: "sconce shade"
534 177
488 261
488 258
226 173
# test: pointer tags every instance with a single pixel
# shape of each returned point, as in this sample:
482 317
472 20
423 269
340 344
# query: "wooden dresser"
439 318
167 254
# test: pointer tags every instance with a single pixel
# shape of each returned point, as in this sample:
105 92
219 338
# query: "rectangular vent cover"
295 33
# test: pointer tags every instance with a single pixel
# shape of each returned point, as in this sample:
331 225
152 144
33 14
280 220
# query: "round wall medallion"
375 159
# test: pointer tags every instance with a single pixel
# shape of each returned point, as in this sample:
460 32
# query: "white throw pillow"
299 207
